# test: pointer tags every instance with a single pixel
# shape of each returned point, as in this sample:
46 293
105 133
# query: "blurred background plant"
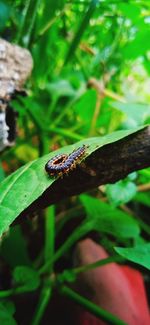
90 78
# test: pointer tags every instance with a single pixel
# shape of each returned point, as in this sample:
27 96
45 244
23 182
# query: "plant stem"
43 302
91 307
82 28
48 24
78 233
6 293
66 133
25 11
111 259
32 16
49 235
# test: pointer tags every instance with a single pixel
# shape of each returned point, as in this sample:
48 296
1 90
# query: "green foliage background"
90 78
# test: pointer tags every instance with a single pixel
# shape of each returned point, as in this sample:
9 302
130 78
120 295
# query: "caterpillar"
63 163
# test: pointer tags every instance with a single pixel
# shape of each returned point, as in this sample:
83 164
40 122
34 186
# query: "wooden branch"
106 165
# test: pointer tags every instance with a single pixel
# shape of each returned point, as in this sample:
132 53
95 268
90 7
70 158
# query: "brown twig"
110 163
143 187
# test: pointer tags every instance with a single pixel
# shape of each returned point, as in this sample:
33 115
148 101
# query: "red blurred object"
117 289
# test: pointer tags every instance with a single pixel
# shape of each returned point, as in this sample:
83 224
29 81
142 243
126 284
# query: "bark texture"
106 165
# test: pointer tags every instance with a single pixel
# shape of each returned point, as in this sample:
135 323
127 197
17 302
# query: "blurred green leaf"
14 248
139 254
136 114
26 152
130 10
5 316
61 88
133 49
9 305
110 118
144 175
104 218
143 198
132 176
121 192
5 11
26 279
85 109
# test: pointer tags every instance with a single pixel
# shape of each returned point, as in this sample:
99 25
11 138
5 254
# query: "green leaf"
106 219
132 176
85 109
144 175
139 254
133 49
143 198
4 14
61 88
136 114
26 278
14 248
23 187
9 305
5 316
25 152
121 192
130 10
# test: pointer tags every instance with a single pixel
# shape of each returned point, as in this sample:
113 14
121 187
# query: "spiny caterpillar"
63 163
